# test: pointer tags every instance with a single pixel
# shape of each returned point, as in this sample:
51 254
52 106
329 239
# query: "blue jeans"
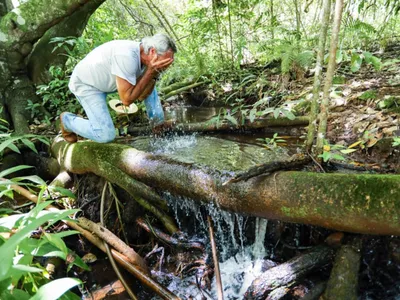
99 126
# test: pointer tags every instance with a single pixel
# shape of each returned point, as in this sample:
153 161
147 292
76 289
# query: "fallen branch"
277 280
343 282
224 126
109 254
183 89
114 242
177 242
220 293
175 86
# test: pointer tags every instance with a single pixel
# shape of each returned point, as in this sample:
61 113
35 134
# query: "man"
129 67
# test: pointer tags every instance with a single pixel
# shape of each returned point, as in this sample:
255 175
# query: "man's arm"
144 85
129 92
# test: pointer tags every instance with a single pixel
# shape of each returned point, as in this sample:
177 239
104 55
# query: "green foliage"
356 59
368 95
56 96
274 141
14 142
396 141
21 275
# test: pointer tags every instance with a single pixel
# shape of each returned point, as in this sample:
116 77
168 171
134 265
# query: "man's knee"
105 135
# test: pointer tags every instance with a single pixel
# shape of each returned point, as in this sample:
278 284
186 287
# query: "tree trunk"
42 56
317 77
360 203
323 116
20 29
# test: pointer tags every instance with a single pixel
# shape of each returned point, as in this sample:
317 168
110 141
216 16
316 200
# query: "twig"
220 293
112 261
316 162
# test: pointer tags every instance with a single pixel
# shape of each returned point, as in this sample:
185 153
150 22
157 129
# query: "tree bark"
281 277
20 29
360 203
343 282
42 56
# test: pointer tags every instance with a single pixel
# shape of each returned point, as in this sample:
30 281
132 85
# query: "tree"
25 52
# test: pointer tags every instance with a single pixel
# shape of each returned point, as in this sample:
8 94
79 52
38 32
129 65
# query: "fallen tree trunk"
362 203
224 126
343 282
276 280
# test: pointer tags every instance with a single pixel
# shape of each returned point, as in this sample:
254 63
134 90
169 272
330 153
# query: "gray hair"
161 42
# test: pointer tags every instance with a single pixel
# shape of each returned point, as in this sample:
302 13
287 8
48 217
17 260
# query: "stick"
215 258
112 261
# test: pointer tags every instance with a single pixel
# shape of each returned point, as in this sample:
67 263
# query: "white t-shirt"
97 72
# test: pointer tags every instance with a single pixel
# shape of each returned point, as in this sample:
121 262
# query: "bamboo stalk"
121 259
220 293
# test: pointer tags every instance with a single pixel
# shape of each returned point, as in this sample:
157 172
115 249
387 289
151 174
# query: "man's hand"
156 66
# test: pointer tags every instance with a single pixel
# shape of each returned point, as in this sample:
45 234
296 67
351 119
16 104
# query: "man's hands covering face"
161 63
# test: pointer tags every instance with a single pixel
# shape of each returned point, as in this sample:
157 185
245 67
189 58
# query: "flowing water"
241 241
241 259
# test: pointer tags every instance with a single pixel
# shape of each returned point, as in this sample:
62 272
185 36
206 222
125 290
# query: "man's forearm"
148 90
140 88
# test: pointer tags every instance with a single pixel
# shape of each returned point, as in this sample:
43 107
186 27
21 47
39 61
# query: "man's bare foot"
69 137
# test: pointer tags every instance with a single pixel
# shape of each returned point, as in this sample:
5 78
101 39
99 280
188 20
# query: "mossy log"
343 282
224 126
360 203
276 280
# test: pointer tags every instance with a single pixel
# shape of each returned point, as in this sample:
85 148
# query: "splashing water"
239 265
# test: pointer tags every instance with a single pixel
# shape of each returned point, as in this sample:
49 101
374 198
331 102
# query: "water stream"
241 240
241 258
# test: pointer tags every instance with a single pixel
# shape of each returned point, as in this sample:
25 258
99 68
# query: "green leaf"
27 269
14 169
13 148
339 56
376 62
29 144
356 61
252 115
7 249
62 191
56 288
277 111
34 178
338 157
16 294
288 114
231 119
56 241
347 151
